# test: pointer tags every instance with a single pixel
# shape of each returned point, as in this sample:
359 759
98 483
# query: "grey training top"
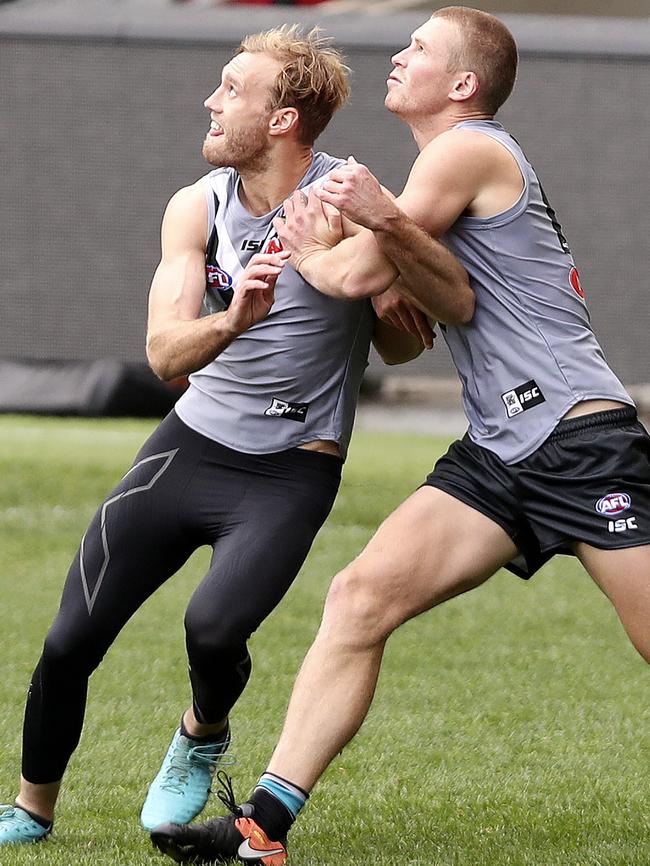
293 377
529 354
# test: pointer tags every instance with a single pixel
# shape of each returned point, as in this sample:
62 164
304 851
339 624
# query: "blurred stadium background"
102 120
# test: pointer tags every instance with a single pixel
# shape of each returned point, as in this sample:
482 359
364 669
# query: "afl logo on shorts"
613 503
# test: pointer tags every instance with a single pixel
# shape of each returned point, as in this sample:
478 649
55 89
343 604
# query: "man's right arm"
460 172
179 342
360 266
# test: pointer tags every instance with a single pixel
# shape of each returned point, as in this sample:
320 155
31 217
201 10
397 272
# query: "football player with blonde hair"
249 461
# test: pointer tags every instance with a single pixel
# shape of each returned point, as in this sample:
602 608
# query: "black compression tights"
260 514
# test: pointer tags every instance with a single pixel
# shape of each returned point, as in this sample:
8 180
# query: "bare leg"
195 729
40 799
624 577
432 548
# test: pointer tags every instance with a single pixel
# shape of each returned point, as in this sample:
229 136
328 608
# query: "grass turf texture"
510 726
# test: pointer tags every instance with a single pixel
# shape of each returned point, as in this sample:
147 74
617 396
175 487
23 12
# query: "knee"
71 652
210 634
357 611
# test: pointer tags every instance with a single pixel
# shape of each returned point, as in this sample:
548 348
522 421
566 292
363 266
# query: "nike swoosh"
246 852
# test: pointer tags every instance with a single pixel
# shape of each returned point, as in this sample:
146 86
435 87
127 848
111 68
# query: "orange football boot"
257 847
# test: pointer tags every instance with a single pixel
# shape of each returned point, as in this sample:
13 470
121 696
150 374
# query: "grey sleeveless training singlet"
293 377
529 353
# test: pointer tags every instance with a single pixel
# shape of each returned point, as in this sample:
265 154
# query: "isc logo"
613 503
254 246
622 525
283 409
524 397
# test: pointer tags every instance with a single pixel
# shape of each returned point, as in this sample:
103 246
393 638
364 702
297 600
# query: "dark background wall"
100 127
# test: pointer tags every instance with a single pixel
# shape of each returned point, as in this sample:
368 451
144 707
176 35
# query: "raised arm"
178 341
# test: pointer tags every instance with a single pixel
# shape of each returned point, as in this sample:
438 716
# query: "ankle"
41 814
194 729
276 804
39 799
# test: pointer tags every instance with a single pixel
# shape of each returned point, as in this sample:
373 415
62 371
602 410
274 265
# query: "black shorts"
589 481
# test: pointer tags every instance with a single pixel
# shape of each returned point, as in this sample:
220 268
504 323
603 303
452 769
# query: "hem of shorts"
519 572
466 501
606 418
541 439
564 547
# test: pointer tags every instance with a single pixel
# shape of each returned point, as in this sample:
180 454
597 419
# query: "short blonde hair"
314 78
486 47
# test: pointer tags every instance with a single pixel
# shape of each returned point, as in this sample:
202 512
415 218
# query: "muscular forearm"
403 233
352 269
180 348
368 263
431 277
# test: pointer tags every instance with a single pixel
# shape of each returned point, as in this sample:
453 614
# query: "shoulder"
188 200
221 181
324 163
461 157
456 146
186 214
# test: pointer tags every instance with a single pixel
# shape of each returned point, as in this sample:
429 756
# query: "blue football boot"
181 788
17 827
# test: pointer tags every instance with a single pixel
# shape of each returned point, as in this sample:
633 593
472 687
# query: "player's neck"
425 129
261 191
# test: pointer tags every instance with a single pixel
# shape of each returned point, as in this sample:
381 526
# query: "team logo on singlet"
574 279
218 289
522 397
217 278
291 411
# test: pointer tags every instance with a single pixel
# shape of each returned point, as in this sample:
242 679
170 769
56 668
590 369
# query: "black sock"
271 815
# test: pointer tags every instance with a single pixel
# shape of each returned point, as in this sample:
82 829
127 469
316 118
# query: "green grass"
510 726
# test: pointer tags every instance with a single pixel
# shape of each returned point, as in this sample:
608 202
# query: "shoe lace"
178 770
227 794
212 754
182 759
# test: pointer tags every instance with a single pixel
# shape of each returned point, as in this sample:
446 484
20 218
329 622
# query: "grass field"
510 726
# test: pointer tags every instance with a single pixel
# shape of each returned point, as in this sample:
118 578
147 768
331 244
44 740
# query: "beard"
395 103
388 102
244 149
